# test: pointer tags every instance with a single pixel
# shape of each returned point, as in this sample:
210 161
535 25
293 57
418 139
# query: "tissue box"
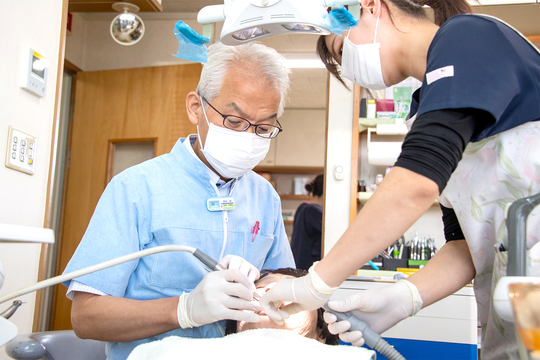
385 105
402 93
402 107
387 114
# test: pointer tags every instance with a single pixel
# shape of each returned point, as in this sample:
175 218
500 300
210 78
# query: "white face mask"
232 153
362 63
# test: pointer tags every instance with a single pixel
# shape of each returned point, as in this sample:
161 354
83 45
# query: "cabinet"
298 152
282 178
447 328
302 141
430 223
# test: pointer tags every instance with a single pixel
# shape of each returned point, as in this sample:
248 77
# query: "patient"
309 324
303 336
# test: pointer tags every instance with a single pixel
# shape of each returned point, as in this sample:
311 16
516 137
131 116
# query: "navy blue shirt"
494 69
306 236
482 78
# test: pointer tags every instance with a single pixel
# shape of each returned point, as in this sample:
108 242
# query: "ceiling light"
303 61
500 2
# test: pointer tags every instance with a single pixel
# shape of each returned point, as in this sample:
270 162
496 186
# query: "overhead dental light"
246 20
127 28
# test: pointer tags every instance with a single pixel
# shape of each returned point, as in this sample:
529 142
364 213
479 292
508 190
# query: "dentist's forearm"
399 201
114 319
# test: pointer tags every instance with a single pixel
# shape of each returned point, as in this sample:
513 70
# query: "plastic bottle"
361 185
378 179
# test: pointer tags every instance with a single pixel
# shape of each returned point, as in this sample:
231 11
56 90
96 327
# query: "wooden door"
115 104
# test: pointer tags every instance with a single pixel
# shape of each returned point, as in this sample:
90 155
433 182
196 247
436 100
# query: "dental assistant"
474 143
174 199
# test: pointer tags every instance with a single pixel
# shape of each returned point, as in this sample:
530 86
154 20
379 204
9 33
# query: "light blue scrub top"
162 202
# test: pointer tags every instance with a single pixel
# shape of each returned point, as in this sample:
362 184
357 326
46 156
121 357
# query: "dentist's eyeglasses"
240 124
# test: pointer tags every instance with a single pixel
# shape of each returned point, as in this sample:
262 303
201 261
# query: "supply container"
300 185
361 185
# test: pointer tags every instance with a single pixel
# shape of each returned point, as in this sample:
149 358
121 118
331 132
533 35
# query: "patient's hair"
322 326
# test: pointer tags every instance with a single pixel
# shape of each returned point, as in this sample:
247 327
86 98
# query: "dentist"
473 144
202 194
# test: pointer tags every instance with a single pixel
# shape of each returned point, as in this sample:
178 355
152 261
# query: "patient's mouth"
262 313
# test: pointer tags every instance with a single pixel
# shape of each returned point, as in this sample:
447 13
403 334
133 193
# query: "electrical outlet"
21 151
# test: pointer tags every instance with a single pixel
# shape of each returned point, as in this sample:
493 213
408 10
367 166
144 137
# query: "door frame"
48 266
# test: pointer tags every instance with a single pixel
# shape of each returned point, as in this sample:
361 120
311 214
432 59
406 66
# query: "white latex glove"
238 263
220 295
380 308
305 293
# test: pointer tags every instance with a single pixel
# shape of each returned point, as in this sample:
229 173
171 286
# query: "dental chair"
55 345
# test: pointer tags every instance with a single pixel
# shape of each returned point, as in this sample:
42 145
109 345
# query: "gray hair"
252 56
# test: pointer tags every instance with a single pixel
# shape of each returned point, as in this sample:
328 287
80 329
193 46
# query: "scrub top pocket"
256 251
177 269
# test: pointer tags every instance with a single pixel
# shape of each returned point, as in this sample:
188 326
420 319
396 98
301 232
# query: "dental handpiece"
215 266
371 338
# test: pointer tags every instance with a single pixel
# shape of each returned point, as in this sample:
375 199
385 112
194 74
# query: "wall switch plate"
21 151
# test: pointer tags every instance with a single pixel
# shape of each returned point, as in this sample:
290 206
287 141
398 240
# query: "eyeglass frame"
224 116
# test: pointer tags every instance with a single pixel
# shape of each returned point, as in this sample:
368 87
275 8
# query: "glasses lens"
267 131
235 123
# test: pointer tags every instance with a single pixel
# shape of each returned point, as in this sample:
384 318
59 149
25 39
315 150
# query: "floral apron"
493 173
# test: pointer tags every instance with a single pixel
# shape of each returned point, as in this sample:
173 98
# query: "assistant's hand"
380 308
305 293
220 295
238 263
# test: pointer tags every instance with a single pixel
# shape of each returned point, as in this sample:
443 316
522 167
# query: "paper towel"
384 153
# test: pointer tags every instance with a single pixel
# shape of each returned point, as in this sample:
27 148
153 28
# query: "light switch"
339 172
25 146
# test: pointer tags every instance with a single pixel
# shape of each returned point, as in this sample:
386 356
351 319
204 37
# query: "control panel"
34 70
21 151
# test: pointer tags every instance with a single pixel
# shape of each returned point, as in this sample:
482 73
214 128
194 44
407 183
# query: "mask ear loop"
376 27
208 122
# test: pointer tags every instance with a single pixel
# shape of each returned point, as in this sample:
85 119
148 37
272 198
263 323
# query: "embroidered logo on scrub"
432 76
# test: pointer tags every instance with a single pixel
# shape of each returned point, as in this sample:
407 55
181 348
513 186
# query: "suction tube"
372 339
107 264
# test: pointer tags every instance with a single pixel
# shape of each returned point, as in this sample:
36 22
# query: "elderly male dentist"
164 201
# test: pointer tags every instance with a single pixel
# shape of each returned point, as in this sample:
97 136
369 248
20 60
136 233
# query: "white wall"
91 47
337 193
22 196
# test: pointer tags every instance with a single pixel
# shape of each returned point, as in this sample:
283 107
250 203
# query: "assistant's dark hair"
316 187
322 326
442 11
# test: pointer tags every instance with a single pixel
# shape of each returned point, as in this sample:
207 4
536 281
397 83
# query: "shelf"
288 222
363 197
296 197
289 169
365 123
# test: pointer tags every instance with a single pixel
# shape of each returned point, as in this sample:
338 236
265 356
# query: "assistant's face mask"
362 63
232 153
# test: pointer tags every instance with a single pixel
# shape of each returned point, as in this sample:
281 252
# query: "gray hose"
372 339
387 350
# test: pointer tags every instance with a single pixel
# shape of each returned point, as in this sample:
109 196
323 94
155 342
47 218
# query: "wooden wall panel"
115 104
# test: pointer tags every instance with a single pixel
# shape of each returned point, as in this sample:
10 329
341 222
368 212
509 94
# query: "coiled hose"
372 339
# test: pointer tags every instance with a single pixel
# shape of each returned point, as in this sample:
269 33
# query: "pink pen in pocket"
255 231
